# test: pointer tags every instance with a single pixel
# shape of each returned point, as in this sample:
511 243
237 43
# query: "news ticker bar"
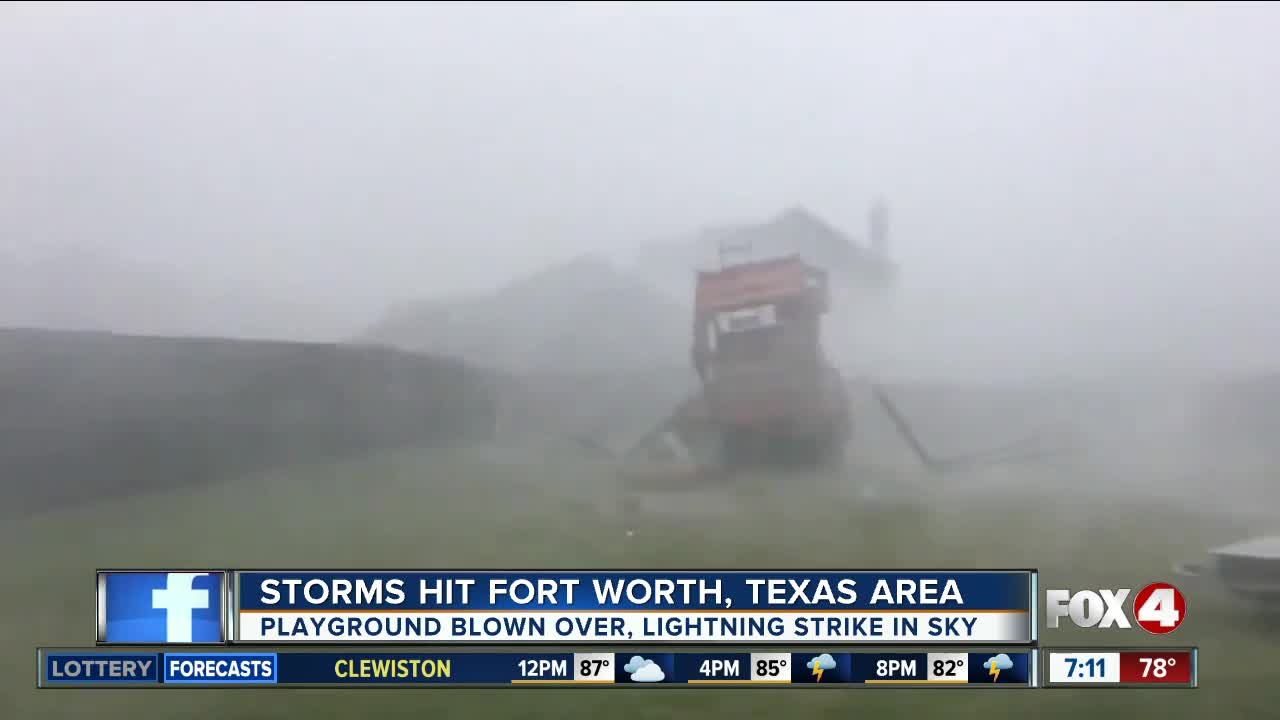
605 607
96 668
1017 667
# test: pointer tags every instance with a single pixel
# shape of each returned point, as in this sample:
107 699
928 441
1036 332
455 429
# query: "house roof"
798 231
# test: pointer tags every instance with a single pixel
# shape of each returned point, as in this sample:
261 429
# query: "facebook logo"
161 607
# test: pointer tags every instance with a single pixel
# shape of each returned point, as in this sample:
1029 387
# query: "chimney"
878 228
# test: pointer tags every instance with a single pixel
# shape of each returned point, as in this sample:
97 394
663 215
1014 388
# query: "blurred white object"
1249 569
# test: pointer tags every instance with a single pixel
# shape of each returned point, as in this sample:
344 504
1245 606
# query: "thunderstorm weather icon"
821 664
995 664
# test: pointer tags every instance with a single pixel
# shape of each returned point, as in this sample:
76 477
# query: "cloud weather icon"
644 671
822 662
998 662
995 664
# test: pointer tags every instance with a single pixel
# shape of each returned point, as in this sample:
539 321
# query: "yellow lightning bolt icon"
995 671
817 671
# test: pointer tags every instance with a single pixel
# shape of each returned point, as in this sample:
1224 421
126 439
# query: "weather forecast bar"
104 667
1122 667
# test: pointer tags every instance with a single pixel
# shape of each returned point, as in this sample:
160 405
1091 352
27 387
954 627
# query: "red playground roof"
753 283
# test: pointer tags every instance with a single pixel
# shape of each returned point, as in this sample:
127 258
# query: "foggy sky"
1076 178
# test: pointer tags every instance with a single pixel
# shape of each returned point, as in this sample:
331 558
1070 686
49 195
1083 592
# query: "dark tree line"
88 415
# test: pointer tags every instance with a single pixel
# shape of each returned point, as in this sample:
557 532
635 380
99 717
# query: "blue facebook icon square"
161 607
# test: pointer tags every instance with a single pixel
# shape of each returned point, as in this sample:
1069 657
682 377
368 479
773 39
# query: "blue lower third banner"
118 668
747 607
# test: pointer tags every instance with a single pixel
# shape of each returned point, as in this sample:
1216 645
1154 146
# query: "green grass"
414 511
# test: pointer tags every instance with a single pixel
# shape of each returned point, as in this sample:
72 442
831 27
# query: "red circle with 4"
1159 608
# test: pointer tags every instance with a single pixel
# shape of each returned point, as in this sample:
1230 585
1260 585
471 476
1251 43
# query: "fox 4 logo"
1158 608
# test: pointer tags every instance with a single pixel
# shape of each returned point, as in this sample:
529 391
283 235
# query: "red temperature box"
1158 667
